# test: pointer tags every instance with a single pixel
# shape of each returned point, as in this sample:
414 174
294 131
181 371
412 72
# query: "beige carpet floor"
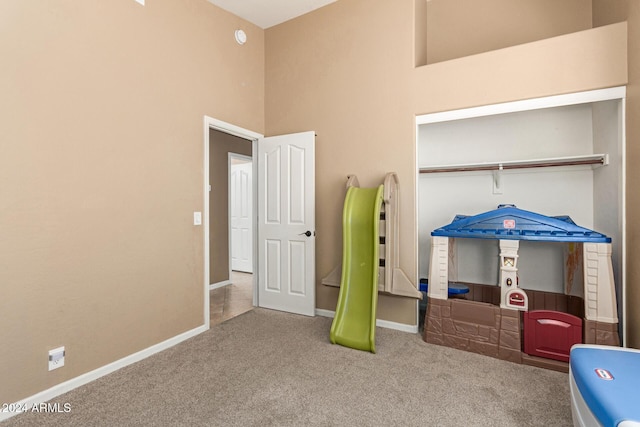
267 368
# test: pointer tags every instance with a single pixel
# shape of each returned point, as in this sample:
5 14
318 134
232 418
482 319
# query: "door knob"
306 233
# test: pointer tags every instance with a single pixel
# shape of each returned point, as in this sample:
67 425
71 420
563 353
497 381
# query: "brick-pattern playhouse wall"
477 324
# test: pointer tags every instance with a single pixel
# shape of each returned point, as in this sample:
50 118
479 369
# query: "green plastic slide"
354 324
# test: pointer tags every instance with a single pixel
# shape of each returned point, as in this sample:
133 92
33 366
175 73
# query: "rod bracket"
497 180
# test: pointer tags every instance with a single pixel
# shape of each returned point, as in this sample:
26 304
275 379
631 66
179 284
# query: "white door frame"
246 159
211 123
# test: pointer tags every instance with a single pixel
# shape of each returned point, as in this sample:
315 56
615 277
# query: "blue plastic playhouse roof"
510 223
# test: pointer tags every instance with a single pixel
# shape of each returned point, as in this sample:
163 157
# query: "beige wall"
633 176
101 168
221 145
357 87
350 81
607 12
575 62
458 28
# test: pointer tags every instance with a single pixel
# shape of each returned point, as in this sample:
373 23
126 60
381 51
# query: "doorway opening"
234 294
500 151
230 289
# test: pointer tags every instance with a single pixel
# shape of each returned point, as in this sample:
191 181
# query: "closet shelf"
590 159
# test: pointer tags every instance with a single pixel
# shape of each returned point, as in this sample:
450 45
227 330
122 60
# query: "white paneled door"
240 213
286 223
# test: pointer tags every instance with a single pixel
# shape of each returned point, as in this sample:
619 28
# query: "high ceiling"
267 13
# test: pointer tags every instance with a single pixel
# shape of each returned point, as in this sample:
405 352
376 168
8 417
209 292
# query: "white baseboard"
381 323
325 313
57 390
219 284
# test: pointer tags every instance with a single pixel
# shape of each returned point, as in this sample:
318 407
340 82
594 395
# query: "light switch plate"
197 218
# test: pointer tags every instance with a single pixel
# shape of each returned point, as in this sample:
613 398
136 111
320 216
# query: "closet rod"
599 160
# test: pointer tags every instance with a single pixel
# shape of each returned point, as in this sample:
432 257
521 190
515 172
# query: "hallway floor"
232 300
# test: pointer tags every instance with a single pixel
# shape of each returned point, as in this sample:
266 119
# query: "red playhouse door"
550 334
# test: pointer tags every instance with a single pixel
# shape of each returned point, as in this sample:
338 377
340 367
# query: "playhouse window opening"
543 271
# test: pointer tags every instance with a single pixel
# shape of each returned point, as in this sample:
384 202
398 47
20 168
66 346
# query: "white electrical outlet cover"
56 358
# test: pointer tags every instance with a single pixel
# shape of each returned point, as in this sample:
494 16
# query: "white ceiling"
267 13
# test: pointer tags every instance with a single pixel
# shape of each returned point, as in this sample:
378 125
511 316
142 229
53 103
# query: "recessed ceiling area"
267 13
